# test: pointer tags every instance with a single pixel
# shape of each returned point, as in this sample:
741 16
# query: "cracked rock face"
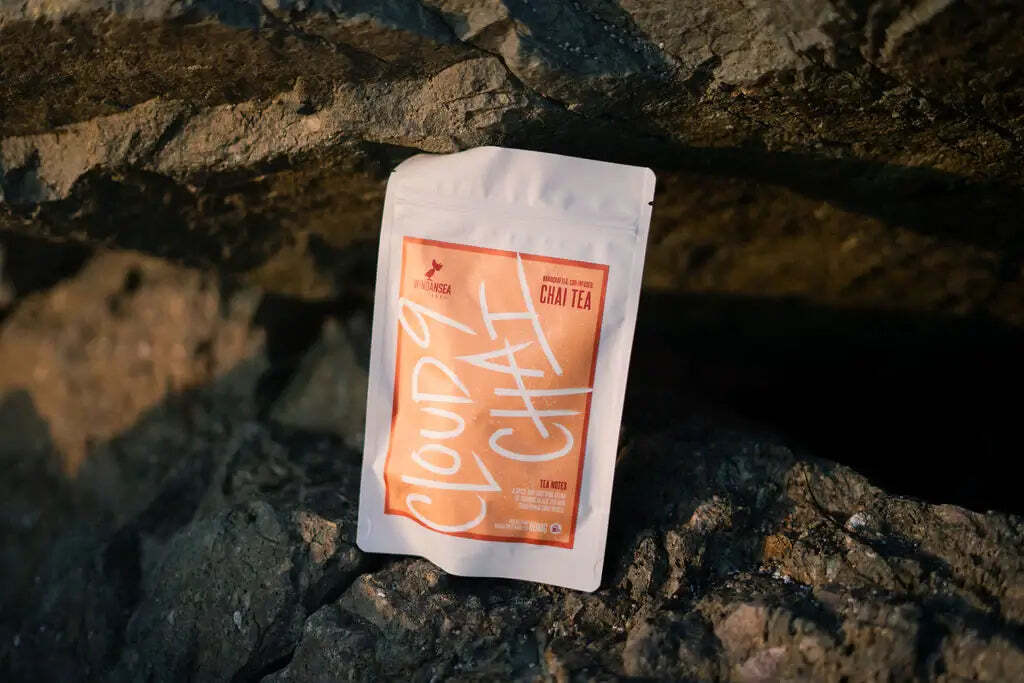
190 196
233 135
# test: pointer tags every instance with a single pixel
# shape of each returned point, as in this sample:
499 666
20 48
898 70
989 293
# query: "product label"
493 385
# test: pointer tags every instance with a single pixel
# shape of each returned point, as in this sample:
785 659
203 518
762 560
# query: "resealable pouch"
506 299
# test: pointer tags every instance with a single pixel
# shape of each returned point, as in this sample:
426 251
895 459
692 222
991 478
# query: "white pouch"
507 289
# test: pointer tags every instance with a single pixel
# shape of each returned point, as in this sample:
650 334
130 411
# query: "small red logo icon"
435 266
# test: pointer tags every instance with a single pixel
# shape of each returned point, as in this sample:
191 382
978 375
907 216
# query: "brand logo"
434 267
430 284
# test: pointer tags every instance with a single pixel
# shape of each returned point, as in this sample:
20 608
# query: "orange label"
493 381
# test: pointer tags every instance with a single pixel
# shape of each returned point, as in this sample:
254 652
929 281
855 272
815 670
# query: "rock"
745 616
576 54
837 100
190 191
7 292
671 645
416 621
729 557
98 351
214 579
452 109
328 391
333 644
226 596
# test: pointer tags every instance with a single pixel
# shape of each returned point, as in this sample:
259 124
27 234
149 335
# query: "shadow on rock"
900 396
197 517
926 200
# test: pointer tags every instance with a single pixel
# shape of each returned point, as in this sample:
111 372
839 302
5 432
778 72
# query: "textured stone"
577 54
98 352
835 251
453 109
745 613
7 292
328 391
213 579
729 558
227 596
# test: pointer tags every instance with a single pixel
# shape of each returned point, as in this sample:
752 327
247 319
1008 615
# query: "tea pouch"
506 299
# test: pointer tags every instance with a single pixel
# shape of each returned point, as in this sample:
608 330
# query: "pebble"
857 520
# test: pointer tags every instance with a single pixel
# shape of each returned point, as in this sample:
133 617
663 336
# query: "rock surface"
190 194
328 391
229 554
194 113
